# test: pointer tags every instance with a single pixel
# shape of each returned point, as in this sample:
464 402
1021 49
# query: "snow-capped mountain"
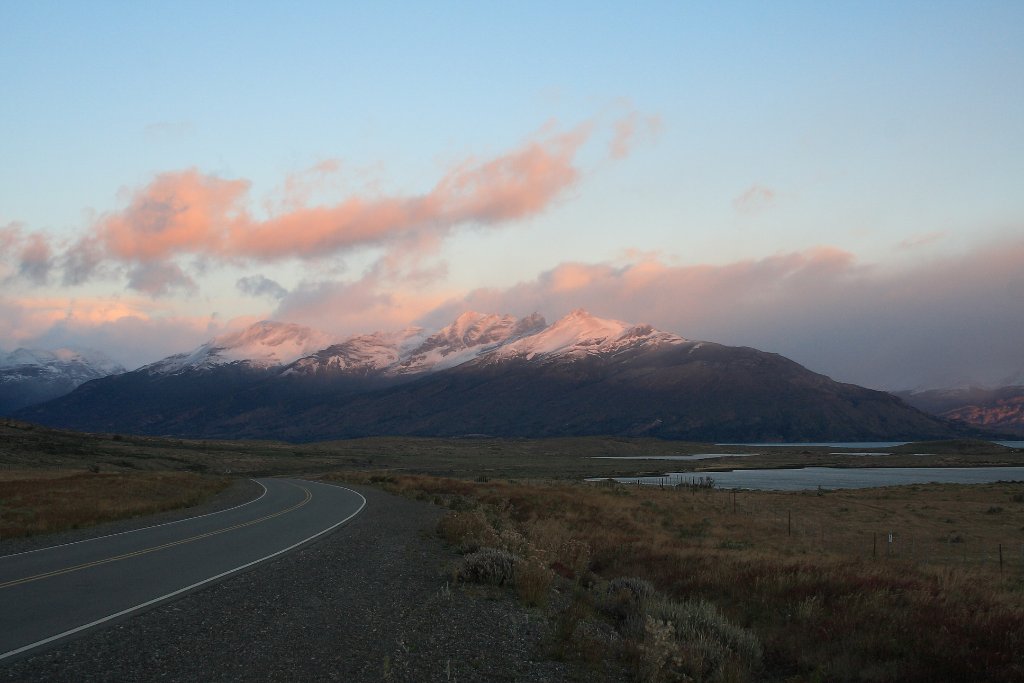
262 345
581 334
362 354
485 374
29 376
414 351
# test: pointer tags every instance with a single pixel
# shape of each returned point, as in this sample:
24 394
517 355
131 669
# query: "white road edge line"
132 531
26 648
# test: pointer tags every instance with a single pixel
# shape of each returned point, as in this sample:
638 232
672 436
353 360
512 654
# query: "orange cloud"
132 331
190 213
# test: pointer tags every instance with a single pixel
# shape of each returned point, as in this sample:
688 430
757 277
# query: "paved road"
54 593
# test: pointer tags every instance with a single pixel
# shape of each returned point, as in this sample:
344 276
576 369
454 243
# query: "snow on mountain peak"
469 336
413 351
95 362
579 333
263 344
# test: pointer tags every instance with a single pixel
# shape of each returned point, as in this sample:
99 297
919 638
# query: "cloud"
160 279
132 331
26 256
936 324
260 285
948 321
754 199
192 214
36 259
355 307
627 129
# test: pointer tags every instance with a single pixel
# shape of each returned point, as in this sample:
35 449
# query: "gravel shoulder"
369 602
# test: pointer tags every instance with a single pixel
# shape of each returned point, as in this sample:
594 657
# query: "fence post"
874 544
1000 559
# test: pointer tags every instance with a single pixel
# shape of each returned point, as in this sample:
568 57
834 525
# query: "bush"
467 530
487 565
533 579
707 639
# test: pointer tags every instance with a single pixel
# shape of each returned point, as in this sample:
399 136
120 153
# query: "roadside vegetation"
914 583
694 584
45 501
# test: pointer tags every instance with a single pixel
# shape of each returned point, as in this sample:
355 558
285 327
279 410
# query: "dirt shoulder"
369 602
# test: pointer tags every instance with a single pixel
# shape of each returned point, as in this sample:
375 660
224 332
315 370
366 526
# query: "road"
54 593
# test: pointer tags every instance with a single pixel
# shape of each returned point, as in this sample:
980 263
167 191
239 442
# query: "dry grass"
812 577
47 501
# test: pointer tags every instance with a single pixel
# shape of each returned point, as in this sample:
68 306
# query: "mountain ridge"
486 374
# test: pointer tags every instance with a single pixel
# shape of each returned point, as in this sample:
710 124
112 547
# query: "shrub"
533 579
708 639
467 530
487 565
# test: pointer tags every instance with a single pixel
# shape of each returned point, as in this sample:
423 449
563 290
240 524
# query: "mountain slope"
999 409
500 376
30 376
692 391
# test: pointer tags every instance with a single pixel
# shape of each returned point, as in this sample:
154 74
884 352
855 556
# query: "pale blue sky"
859 127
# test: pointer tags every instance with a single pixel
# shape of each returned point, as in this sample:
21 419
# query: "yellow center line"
94 563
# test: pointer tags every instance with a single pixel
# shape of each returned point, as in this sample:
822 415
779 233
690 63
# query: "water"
851 444
827 444
837 477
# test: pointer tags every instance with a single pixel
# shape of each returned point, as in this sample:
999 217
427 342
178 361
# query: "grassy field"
916 583
39 502
24 445
687 584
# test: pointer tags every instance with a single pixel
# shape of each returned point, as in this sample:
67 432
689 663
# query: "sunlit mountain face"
484 374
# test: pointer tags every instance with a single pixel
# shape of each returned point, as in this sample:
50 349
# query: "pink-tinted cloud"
357 307
132 331
936 324
26 256
189 213
628 129
754 199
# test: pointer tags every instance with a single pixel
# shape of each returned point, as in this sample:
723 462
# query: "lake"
836 477
851 444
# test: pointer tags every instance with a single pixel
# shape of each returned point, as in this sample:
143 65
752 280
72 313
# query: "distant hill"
487 374
30 376
999 409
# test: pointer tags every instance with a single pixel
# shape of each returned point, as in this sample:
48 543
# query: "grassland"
676 584
38 502
807 582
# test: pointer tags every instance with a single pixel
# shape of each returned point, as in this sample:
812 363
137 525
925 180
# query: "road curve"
58 592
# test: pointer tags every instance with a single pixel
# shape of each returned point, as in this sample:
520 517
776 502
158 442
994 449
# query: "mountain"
264 345
486 374
30 376
1000 409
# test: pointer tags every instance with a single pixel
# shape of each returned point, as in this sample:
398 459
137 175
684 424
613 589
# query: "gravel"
369 602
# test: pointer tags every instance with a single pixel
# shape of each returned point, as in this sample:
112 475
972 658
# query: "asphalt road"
54 593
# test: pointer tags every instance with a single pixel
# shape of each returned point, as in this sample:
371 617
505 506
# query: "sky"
840 183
